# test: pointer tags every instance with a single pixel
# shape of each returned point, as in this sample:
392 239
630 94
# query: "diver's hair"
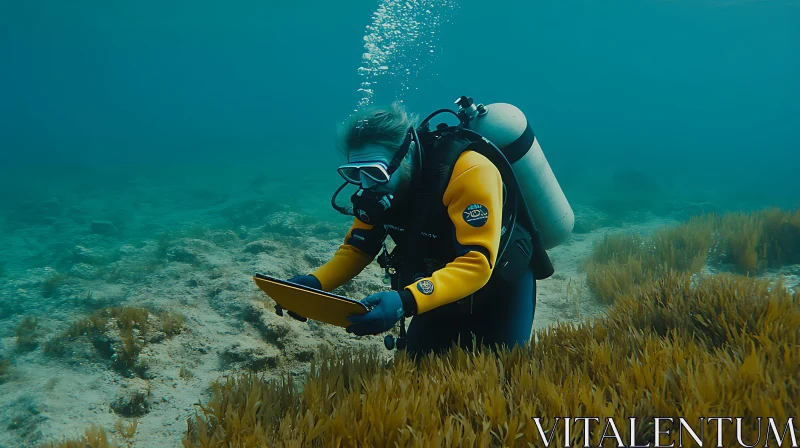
376 125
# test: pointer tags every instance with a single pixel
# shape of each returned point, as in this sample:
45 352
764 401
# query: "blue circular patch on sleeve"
425 287
476 215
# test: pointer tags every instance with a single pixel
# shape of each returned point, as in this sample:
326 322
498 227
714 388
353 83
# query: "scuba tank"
506 126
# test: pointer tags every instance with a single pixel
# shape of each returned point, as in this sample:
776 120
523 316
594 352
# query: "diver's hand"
387 309
305 280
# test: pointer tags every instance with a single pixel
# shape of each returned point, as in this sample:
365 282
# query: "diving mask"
352 173
376 171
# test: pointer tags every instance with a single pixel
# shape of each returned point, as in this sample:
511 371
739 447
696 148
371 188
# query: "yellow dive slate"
309 302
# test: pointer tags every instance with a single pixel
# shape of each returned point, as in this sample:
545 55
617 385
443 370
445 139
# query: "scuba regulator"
368 206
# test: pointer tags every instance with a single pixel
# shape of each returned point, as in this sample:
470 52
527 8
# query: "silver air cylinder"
506 126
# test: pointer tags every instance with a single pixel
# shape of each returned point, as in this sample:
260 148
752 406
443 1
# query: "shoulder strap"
540 260
439 162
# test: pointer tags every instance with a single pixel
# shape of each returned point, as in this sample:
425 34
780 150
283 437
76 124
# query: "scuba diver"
467 253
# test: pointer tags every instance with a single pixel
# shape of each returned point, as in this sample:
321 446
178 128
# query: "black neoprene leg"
498 317
507 318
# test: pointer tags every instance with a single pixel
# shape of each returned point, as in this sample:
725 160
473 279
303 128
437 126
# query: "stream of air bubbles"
400 45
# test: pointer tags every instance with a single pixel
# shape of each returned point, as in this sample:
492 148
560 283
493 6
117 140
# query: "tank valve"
467 109
464 102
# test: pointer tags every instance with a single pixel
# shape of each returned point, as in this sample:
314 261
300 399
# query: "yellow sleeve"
474 201
361 245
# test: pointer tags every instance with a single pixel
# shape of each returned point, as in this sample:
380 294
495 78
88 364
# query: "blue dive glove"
305 280
387 309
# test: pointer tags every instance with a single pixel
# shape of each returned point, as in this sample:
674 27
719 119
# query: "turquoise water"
707 86
169 117
701 96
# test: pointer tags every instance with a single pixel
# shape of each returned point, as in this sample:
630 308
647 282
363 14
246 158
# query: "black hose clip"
400 343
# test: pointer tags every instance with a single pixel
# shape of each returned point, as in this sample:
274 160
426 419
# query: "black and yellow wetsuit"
453 259
475 181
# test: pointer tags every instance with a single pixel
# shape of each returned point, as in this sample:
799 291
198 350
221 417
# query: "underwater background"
696 93
129 129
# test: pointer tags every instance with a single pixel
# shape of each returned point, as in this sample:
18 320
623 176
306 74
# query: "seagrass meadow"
678 340
742 243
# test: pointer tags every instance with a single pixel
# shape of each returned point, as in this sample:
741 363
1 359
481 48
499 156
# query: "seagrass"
675 347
